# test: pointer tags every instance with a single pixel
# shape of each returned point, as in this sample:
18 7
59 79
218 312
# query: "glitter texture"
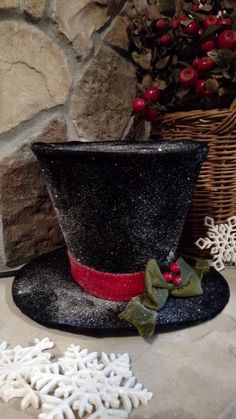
120 204
45 291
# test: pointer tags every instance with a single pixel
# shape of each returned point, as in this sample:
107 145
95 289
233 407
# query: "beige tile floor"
192 372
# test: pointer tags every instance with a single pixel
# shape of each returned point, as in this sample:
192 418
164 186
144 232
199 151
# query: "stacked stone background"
64 75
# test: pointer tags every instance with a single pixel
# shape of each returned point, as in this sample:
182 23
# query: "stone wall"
64 74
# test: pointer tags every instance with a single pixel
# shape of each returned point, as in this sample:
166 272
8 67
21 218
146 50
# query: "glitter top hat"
119 204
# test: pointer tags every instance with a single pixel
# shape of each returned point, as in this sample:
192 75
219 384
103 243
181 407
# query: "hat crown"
120 204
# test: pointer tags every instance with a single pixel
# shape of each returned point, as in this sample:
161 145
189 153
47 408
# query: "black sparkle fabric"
120 204
45 291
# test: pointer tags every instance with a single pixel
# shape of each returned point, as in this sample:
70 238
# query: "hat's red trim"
109 286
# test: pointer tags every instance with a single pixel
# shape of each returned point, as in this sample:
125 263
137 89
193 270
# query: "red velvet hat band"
109 286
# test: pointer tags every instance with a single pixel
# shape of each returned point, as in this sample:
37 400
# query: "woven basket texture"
215 193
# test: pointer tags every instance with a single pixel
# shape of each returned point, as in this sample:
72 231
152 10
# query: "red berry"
227 39
168 276
207 45
182 19
192 28
188 77
174 267
150 114
175 23
152 93
195 62
205 64
210 20
177 281
162 24
200 88
194 8
226 22
165 39
139 104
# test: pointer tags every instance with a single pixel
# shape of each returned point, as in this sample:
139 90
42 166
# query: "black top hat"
118 204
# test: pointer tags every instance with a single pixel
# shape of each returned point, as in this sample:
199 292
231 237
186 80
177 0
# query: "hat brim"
45 291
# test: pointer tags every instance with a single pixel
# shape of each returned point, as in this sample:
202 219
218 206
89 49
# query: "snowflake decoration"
221 239
16 366
78 384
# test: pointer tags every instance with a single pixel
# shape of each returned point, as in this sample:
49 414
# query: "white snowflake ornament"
16 367
98 387
78 385
221 240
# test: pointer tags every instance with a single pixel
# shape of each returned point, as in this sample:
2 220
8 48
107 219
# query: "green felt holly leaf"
153 279
141 310
192 289
191 284
167 7
140 317
201 267
154 276
161 298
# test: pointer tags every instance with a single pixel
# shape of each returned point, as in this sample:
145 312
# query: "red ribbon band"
109 286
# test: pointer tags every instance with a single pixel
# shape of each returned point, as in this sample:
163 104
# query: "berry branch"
185 56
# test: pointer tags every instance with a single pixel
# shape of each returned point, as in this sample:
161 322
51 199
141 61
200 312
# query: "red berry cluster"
173 276
141 104
187 51
193 76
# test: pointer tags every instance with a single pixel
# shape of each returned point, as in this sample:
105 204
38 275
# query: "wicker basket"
215 193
